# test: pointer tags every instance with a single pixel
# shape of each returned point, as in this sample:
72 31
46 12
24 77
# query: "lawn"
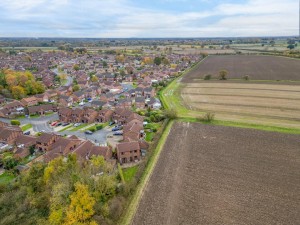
26 127
129 173
149 136
5 178
66 128
79 127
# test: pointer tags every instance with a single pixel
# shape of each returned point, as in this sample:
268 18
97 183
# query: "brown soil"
223 175
257 67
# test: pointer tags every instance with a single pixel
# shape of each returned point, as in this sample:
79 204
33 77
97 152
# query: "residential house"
23 143
62 147
87 149
12 109
125 103
10 134
128 152
45 141
104 116
30 101
64 114
89 115
140 102
149 92
78 96
41 109
65 100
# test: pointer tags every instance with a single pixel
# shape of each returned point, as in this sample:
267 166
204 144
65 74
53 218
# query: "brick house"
62 147
10 134
23 143
128 152
41 109
29 101
12 109
104 116
89 115
64 114
140 102
87 149
45 141
125 103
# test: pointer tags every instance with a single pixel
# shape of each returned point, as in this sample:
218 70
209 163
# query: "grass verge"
127 219
79 127
245 125
26 127
121 173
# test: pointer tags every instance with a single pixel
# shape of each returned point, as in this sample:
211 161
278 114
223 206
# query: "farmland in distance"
271 96
223 175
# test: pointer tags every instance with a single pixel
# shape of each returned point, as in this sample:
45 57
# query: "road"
42 124
38 124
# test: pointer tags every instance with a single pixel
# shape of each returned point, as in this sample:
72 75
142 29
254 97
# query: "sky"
148 18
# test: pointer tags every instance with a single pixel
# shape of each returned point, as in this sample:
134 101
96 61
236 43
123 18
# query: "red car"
54 123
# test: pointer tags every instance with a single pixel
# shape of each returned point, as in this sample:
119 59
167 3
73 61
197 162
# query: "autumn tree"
76 67
223 74
18 92
94 79
81 208
76 87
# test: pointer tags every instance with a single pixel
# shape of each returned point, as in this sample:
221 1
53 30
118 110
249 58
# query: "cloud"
126 18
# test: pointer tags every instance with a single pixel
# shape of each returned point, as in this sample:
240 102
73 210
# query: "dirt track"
257 67
223 175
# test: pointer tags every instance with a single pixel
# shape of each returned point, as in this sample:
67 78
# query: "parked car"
65 124
88 132
115 129
26 133
118 133
58 124
54 123
111 123
81 103
77 124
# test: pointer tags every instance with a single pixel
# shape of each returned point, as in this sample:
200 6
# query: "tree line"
19 84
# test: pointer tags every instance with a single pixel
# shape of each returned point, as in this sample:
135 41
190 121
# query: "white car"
77 124
81 103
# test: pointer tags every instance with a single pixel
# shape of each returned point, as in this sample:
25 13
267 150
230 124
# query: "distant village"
117 90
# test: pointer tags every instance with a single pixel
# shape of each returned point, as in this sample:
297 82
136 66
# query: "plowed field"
223 175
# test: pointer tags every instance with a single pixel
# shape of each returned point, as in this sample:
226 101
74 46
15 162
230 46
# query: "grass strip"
244 125
26 127
131 210
121 173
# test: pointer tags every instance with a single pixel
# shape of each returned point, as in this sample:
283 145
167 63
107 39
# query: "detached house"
23 143
44 142
87 149
128 152
29 101
10 134
62 147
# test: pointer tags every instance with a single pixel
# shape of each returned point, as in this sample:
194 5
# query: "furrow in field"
249 93
252 111
245 86
244 100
